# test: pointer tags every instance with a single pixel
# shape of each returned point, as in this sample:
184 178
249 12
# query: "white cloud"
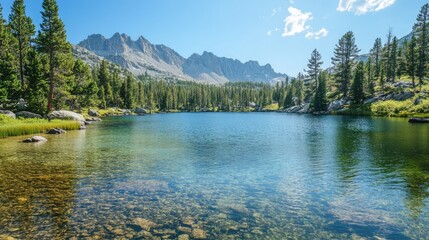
269 33
317 35
296 22
361 7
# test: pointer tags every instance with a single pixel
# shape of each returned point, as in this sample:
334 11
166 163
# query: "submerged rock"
25 114
56 131
199 234
8 113
145 224
183 237
35 139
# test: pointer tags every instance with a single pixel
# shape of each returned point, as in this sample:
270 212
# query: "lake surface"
220 176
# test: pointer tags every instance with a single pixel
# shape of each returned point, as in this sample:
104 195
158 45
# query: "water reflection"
220 176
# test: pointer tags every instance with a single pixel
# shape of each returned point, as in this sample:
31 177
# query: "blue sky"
280 32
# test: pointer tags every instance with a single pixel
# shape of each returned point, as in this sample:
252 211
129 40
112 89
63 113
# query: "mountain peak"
141 56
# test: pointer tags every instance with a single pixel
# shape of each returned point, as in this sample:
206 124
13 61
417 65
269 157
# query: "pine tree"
393 62
320 102
9 84
129 98
52 42
37 85
358 95
370 78
344 59
84 86
386 60
412 61
289 98
421 30
23 30
314 66
376 56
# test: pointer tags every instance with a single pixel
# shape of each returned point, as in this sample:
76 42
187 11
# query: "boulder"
305 108
93 119
140 111
66 115
336 105
8 113
35 139
24 114
93 113
56 131
403 96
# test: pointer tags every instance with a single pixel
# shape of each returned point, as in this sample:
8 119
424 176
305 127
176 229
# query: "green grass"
17 127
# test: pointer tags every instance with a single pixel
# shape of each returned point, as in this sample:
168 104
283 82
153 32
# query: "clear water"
230 175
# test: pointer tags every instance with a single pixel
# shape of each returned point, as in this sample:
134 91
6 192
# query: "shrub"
392 108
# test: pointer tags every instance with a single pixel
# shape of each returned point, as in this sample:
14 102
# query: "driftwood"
418 120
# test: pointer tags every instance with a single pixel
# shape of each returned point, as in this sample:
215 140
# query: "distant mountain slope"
141 56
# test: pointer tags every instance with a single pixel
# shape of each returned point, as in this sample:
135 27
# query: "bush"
423 107
392 108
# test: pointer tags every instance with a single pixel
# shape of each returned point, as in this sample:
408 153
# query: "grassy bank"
16 127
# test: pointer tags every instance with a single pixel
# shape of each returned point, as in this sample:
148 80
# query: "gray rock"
56 131
336 105
35 139
402 84
389 97
93 113
140 111
403 96
66 115
293 109
93 119
418 101
372 100
304 108
8 113
25 114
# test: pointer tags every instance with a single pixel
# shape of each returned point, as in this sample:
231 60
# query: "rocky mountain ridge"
141 56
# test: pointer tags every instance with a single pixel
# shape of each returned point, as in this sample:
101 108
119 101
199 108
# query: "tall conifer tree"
52 42
23 30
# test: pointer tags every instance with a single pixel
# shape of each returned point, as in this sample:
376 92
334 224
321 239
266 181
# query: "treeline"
40 69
